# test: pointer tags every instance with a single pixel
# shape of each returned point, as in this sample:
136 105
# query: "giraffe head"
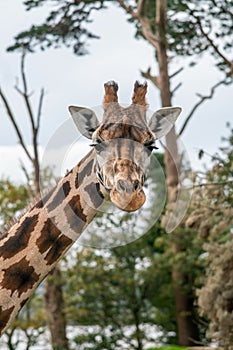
123 142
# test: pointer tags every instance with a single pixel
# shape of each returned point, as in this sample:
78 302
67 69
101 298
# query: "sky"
73 80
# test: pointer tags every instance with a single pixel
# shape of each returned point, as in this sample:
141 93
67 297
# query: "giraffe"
114 170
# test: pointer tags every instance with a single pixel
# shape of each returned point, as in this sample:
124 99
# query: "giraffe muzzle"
128 196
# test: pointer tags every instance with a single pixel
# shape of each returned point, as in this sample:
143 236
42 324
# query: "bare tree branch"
176 72
202 99
25 91
27 178
128 9
143 21
34 127
35 124
224 8
42 92
154 79
141 5
214 46
176 88
147 32
15 125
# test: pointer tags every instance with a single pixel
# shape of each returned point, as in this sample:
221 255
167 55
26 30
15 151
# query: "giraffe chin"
128 202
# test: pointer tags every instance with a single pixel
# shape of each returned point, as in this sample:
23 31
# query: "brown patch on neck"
21 238
4 317
74 213
57 249
82 174
48 236
97 197
61 194
19 277
52 241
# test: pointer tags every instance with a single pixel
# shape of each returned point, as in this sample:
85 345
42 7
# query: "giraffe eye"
99 146
150 146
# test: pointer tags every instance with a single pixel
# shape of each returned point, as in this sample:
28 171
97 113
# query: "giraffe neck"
32 247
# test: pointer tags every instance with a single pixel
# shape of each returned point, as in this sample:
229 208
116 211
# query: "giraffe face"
121 168
123 152
123 144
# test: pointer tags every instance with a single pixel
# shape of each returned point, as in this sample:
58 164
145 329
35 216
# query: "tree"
112 292
212 215
35 185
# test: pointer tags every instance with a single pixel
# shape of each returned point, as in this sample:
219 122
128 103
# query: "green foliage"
64 25
13 199
189 21
113 290
212 216
215 191
190 25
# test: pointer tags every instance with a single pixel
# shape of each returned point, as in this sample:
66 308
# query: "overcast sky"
69 79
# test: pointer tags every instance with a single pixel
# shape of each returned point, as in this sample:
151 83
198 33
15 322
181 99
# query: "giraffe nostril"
127 186
135 185
121 185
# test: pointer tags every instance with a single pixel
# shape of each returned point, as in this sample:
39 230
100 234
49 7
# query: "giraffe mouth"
128 201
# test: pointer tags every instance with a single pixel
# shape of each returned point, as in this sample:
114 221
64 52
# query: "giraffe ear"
85 120
163 120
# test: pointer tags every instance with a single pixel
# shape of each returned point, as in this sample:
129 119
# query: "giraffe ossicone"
123 142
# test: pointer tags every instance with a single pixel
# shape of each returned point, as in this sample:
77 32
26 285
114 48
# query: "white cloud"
61 159
11 158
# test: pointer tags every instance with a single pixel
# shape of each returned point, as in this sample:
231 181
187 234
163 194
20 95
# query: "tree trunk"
187 329
55 310
188 332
